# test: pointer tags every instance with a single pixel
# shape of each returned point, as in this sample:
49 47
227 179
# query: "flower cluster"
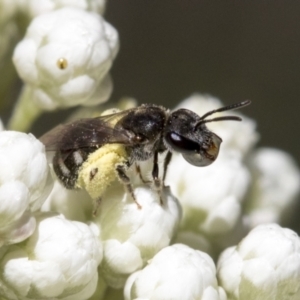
209 233
264 265
25 183
64 57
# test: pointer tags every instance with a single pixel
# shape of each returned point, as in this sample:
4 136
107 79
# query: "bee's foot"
96 207
139 206
161 200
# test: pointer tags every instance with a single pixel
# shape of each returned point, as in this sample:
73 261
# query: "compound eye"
181 144
206 155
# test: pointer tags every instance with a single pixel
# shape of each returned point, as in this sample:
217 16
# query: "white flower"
239 137
275 186
264 265
211 197
176 272
73 204
131 236
194 240
59 261
33 8
25 182
210 243
65 57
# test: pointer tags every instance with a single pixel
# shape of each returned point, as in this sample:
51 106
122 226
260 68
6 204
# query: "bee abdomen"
66 165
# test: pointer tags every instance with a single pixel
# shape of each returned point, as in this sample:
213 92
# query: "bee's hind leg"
121 170
97 203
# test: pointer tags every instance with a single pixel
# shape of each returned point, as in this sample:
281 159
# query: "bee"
91 153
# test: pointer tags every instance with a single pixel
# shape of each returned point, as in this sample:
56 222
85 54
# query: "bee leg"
166 164
155 176
138 170
126 181
97 203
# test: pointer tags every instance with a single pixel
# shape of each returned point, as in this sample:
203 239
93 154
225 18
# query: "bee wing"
88 132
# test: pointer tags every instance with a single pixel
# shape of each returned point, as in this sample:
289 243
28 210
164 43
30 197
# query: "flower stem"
25 111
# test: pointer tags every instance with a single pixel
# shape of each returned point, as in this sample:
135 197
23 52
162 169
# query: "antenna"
225 118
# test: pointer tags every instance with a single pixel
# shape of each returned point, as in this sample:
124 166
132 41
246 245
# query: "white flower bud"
237 136
176 272
194 240
211 196
65 57
131 235
275 186
73 204
264 265
59 261
25 182
33 8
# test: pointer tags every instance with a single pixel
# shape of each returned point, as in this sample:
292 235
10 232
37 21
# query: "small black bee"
91 153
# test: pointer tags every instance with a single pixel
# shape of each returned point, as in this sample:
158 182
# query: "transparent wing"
89 132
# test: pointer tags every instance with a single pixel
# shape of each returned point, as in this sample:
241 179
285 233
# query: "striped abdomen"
66 164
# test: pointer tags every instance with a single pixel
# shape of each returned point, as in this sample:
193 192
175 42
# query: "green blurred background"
234 50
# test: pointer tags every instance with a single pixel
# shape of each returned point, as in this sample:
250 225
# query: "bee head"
186 133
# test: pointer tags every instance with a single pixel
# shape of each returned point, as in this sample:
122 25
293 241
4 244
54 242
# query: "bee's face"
183 134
